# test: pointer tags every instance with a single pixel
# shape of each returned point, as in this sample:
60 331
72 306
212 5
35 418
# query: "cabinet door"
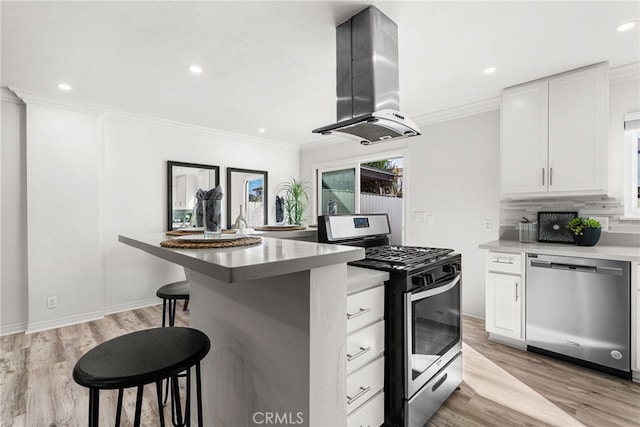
523 146
578 131
179 195
504 305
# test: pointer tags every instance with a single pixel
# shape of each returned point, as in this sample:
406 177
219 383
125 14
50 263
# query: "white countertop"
360 279
623 253
272 257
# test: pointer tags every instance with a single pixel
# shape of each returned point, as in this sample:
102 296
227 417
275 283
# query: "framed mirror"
184 180
247 194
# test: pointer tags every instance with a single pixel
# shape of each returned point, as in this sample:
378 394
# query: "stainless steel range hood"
367 81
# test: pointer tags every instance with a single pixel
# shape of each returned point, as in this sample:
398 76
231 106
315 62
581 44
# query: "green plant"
577 225
296 199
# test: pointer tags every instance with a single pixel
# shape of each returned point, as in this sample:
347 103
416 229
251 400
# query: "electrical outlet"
487 224
52 301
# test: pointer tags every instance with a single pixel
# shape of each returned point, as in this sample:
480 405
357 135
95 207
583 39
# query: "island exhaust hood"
367 81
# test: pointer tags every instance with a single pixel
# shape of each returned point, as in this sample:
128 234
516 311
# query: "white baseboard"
118 308
64 321
13 329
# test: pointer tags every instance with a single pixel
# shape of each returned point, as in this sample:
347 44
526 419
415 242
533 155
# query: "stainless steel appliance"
367 81
579 309
423 329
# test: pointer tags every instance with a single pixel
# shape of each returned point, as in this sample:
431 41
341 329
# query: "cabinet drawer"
504 262
364 308
365 345
364 383
370 414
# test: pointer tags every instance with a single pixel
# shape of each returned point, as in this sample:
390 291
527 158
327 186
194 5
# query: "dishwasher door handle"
611 271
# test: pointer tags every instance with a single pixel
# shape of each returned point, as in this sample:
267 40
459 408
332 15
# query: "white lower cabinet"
635 323
368 415
505 295
365 348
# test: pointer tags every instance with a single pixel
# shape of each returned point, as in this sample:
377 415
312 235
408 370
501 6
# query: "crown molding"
38 98
458 112
142 119
7 95
624 73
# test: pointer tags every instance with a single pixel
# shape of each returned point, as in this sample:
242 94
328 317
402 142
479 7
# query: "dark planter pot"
589 237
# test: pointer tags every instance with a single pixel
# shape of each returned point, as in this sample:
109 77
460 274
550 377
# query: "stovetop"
403 260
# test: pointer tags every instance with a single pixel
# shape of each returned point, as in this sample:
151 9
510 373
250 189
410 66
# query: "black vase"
589 237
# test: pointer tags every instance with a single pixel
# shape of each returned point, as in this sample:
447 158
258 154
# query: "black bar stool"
140 358
171 294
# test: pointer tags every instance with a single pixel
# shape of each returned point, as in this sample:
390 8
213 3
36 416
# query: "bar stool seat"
140 358
171 294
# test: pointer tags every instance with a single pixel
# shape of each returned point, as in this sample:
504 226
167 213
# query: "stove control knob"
420 281
450 268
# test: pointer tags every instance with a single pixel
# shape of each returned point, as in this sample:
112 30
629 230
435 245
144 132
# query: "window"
632 160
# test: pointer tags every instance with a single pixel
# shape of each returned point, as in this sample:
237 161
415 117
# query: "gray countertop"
272 257
623 253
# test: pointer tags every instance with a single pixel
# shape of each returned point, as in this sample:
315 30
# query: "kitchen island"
275 314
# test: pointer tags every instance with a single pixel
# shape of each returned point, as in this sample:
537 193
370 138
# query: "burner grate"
405 255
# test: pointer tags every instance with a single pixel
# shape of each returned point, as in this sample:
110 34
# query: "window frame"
631 175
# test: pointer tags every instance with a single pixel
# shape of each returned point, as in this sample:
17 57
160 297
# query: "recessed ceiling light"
64 86
195 69
626 26
261 130
489 70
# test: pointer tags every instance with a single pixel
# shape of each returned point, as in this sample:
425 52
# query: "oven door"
433 332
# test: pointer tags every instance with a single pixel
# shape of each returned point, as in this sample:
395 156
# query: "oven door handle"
435 291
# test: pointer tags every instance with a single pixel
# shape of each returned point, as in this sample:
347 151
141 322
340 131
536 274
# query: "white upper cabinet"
523 151
555 135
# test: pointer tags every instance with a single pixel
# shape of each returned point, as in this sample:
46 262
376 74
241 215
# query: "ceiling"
271 64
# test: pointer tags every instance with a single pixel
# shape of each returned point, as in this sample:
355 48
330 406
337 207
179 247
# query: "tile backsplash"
512 211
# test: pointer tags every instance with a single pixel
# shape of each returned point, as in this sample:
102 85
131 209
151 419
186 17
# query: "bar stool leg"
119 407
164 311
176 405
94 406
187 407
136 421
199 394
172 312
160 410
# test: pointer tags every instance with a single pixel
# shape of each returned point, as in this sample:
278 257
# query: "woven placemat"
186 244
190 232
279 227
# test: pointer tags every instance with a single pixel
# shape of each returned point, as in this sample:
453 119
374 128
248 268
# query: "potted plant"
586 231
296 200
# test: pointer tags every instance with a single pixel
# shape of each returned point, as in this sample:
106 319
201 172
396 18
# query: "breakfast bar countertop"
271 257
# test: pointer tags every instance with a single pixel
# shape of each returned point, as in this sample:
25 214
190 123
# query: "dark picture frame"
233 195
172 168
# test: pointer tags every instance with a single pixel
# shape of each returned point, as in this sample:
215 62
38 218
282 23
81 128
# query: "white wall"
13 221
89 177
451 173
136 154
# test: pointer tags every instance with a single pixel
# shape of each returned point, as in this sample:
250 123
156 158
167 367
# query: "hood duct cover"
367 80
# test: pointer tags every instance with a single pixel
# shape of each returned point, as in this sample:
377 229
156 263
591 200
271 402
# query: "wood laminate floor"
502 386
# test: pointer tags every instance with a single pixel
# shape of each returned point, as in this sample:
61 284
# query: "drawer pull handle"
497 261
362 351
361 393
359 313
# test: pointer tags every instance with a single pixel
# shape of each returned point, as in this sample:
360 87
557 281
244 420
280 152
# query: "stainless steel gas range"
423 328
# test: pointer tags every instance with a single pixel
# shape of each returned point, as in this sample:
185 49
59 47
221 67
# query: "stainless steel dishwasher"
579 309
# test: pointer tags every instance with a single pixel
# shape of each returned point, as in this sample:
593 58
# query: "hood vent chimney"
367 81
